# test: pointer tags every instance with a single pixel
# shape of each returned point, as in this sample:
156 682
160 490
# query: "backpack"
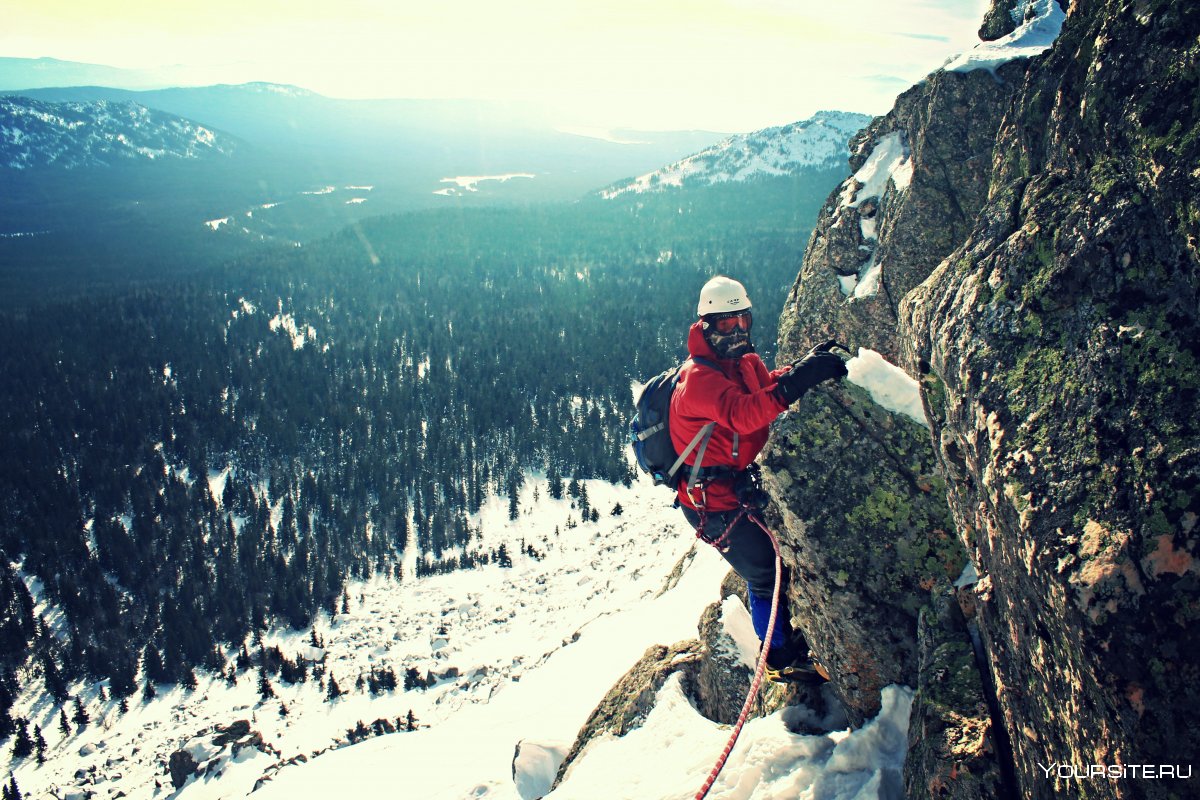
650 433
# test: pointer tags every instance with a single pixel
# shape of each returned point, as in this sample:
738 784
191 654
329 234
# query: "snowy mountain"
816 143
70 135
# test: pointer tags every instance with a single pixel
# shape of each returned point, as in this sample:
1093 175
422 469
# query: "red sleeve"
767 377
711 395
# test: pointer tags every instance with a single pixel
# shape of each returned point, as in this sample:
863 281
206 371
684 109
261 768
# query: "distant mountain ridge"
71 135
816 143
30 73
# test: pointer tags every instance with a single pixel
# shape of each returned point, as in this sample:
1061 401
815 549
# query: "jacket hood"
698 345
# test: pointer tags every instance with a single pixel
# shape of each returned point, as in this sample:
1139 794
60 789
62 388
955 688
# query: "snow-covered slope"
819 142
70 135
513 656
484 639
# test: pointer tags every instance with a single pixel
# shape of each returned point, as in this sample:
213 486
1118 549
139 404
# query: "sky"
723 65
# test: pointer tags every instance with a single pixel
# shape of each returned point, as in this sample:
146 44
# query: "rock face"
1025 244
1000 20
866 533
920 177
952 747
631 699
860 507
1059 345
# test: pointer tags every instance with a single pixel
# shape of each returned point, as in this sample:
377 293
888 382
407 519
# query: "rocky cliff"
1020 234
1059 344
860 501
1023 240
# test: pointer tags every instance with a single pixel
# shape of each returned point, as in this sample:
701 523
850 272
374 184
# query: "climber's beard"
731 346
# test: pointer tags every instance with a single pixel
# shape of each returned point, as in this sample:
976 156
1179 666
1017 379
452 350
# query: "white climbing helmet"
722 295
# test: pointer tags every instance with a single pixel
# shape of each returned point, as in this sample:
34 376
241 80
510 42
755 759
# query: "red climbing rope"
762 663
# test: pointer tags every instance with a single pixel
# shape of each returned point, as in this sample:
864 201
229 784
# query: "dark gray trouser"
748 550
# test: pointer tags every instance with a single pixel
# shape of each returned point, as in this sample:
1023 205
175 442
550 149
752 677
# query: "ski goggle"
728 323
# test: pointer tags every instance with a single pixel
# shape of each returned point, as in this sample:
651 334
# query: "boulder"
209 752
631 699
181 766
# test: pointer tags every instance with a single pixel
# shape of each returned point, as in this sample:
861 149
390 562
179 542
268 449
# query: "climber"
742 398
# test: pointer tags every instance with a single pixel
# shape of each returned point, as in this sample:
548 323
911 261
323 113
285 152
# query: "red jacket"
739 399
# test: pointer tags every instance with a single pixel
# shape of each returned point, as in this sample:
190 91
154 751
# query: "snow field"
611 601
670 756
506 632
517 656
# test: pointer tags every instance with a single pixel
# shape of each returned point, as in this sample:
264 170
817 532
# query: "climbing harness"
762 655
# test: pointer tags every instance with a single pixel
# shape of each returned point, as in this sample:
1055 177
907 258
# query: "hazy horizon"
721 65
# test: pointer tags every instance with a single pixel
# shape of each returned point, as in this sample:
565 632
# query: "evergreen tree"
39 743
617 510
265 690
63 724
556 482
243 659
22 744
334 691
585 505
81 717
7 725
53 678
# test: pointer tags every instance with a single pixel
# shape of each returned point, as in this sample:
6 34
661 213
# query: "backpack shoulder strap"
702 436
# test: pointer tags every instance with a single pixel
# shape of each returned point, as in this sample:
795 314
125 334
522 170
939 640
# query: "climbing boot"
807 671
793 664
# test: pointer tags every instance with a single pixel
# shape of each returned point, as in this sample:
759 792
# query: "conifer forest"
191 459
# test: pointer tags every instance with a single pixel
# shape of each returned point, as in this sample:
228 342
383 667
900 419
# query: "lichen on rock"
1061 337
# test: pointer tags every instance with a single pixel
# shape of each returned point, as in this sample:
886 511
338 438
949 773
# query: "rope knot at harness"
720 542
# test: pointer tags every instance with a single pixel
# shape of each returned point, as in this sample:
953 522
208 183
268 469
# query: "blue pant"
748 550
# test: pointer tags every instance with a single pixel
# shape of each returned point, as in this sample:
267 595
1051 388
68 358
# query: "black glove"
826 346
817 366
